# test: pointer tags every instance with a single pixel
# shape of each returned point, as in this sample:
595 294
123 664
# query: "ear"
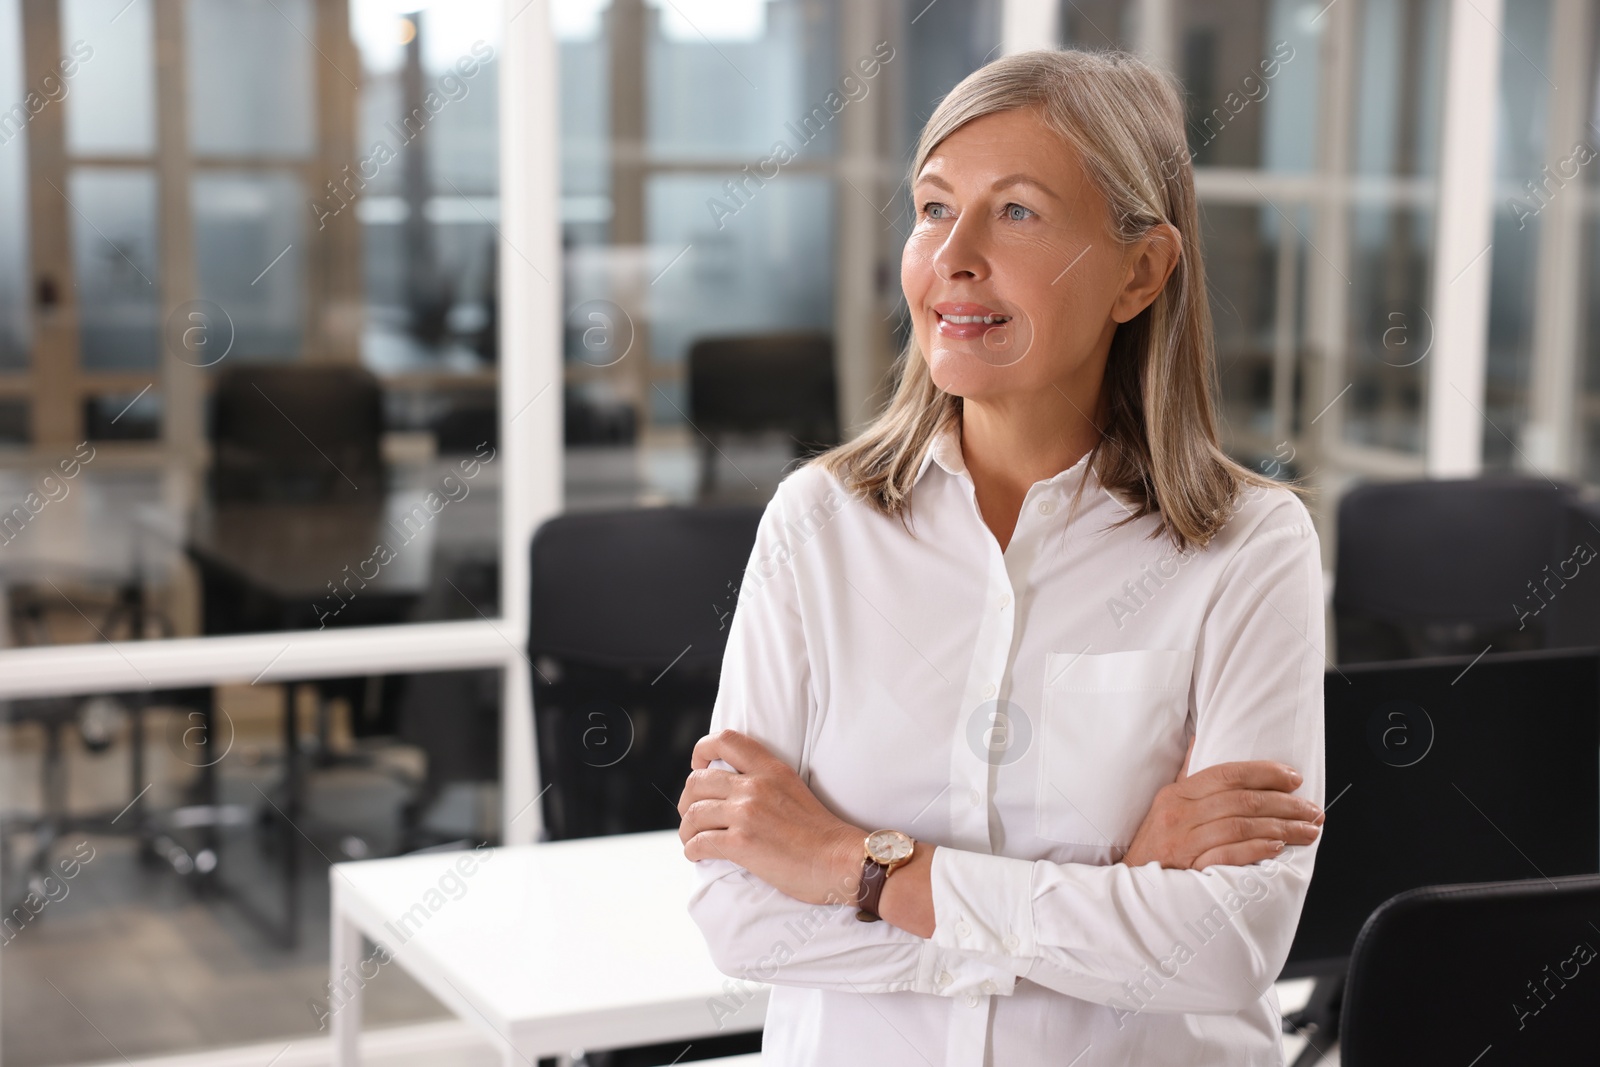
1149 262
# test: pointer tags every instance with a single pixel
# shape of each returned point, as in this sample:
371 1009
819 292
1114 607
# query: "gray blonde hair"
1158 448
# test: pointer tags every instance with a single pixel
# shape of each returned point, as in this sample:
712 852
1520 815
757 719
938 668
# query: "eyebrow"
999 183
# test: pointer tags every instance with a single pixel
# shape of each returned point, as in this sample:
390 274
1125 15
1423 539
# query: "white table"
550 948
543 948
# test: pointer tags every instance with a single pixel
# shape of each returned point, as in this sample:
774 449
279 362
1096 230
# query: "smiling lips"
966 321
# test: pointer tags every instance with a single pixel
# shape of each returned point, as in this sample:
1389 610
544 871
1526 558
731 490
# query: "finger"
740 751
704 815
709 845
1239 854
706 784
1246 774
1224 832
1254 803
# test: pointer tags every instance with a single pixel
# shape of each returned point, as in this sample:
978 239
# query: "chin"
968 376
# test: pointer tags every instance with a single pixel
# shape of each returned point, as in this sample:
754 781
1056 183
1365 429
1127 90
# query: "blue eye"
927 208
1011 210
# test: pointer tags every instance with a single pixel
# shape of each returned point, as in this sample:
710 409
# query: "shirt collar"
944 448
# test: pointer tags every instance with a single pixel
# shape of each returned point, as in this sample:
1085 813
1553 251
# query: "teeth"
963 319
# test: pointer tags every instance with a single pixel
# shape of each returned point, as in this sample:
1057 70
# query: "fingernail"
1277 846
1311 828
1295 776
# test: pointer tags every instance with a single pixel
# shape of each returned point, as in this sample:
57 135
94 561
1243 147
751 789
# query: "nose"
962 254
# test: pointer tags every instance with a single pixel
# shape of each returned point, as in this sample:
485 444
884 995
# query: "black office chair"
1449 567
759 384
98 721
454 718
296 432
1448 973
470 418
630 616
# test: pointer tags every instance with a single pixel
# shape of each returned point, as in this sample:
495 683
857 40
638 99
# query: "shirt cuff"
983 905
950 974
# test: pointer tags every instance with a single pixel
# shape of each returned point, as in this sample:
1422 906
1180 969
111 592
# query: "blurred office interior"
311 312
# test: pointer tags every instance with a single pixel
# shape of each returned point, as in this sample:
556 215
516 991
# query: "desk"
284 565
548 948
543 948
276 566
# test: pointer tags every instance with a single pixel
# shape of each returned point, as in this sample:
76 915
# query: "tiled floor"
130 963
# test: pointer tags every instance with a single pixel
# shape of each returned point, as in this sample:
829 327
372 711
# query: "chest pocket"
1112 734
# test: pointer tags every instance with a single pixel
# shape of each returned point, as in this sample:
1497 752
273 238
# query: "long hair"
1158 448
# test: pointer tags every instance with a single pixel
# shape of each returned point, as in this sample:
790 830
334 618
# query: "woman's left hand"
765 819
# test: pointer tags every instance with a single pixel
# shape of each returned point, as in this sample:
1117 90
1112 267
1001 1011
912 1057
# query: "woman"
1033 632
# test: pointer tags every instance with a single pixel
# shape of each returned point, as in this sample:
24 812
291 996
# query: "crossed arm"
762 817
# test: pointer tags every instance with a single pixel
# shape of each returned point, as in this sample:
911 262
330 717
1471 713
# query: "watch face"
888 846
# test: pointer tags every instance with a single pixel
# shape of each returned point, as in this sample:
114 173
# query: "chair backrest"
1447 567
765 382
629 618
1447 973
303 432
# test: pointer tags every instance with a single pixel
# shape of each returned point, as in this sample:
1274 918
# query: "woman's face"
1008 227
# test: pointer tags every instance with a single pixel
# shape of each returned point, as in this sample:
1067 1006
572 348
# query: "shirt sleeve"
756 932
1151 939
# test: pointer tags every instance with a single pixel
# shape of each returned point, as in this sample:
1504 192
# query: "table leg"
344 958
291 816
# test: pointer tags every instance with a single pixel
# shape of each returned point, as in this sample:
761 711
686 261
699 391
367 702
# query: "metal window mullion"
861 350
1462 240
531 374
1328 262
1551 433
54 365
1029 24
181 387
1155 27
1284 347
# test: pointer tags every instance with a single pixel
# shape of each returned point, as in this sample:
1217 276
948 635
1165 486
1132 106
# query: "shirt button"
971 1000
1045 507
1011 943
1005 600
975 798
989 987
944 979
963 930
990 690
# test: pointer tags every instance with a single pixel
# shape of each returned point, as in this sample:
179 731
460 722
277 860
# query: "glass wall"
249 382
168 930
704 187
257 290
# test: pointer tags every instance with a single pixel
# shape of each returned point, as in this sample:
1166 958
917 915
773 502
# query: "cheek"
916 266
1071 289
916 279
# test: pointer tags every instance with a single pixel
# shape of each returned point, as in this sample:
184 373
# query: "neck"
1010 444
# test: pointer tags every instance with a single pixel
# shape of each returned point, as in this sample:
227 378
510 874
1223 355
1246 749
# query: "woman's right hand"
1233 813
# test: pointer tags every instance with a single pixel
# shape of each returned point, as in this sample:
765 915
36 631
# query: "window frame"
531 454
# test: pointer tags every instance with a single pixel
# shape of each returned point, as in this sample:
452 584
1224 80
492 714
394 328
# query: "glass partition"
260 282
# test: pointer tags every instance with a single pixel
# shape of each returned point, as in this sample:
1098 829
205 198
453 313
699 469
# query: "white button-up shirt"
1020 709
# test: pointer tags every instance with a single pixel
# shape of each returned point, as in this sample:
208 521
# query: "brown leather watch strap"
873 875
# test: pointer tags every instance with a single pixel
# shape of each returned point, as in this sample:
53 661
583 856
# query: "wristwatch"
886 852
